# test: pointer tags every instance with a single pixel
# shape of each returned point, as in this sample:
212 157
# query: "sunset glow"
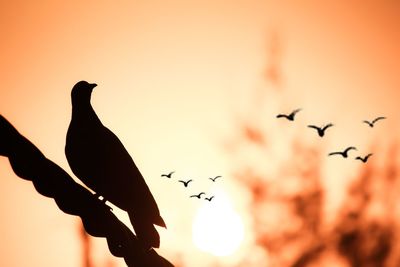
217 228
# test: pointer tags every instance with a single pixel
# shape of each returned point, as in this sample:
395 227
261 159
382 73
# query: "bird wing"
378 118
295 111
281 116
313 127
335 153
369 123
369 155
327 126
101 161
182 181
131 186
349 148
171 173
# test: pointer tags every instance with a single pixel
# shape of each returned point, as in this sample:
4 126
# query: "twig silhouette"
52 181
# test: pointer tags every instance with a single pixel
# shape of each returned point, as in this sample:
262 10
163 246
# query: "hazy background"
194 86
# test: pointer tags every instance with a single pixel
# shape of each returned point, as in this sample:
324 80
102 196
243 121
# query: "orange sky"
170 73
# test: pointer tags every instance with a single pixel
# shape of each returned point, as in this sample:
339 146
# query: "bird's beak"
93 85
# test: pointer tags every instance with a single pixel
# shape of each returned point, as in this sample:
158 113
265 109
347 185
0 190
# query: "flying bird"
321 130
99 159
209 198
364 159
215 178
372 123
185 183
344 153
167 175
290 117
199 195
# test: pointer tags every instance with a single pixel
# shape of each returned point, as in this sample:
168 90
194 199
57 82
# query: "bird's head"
81 92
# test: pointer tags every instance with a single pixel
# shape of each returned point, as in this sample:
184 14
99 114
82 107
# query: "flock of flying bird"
321 132
186 183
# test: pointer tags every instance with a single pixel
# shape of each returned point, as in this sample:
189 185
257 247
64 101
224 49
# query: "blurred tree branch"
52 181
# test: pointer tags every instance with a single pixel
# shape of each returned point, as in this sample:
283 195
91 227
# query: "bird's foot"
104 202
102 199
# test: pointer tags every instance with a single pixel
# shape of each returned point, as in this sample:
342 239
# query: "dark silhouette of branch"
52 181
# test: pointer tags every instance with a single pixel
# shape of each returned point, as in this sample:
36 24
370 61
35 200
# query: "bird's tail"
160 222
145 230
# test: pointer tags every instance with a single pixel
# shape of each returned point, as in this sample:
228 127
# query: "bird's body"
364 159
169 175
99 159
185 183
198 195
215 178
289 117
209 198
321 130
344 153
372 123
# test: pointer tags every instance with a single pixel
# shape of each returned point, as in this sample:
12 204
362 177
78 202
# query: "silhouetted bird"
215 178
290 117
364 159
209 198
185 183
372 123
167 175
344 153
321 131
198 196
99 159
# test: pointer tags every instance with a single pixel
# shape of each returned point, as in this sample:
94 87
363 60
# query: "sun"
217 228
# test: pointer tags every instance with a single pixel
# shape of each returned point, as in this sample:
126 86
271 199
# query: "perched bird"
290 117
215 178
209 198
199 195
344 153
364 159
99 159
372 123
185 183
321 130
167 175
